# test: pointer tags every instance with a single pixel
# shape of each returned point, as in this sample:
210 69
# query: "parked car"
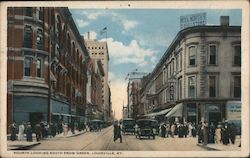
96 125
156 126
145 128
128 126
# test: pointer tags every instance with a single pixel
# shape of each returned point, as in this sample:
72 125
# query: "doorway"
214 117
35 117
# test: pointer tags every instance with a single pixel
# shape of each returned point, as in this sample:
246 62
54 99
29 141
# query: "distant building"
95 73
47 66
198 78
99 51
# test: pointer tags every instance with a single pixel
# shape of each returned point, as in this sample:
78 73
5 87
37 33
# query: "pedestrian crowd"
223 133
42 130
176 128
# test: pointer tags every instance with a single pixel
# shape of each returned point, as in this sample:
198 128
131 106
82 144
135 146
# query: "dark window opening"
28 11
237 55
192 54
39 68
212 86
39 39
237 86
27 66
212 55
28 36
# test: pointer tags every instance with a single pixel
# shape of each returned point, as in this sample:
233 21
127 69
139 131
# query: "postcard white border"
233 4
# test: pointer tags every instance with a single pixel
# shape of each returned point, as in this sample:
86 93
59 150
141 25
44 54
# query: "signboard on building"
193 20
233 110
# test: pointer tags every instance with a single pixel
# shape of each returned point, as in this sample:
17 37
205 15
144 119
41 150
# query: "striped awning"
176 111
162 112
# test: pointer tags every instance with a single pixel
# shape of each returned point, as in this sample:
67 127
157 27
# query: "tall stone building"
47 61
95 73
198 78
99 51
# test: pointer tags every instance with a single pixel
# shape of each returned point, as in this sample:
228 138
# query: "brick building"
46 66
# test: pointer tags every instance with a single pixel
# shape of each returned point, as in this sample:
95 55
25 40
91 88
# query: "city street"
104 141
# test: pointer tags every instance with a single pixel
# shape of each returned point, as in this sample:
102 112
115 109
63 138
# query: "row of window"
28 67
213 55
175 65
212 86
95 48
28 37
37 10
98 53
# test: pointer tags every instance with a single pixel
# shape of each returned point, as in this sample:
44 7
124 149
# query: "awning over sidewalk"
176 111
162 112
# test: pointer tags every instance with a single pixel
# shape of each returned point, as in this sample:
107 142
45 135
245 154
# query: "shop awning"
162 112
176 111
60 114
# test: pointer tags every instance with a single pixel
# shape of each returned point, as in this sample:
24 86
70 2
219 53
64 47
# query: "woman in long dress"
21 132
218 135
65 129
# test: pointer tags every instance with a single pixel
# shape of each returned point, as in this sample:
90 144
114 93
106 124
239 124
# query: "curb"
76 134
208 148
26 147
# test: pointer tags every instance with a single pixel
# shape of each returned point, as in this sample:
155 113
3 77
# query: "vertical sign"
193 20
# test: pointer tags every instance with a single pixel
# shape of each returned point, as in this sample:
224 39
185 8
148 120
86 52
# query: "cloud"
91 16
129 24
93 35
132 53
82 23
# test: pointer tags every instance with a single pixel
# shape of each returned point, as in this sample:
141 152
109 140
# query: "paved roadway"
104 141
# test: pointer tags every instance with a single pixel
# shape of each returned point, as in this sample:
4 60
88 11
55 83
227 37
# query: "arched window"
27 66
39 39
39 66
28 34
64 34
73 51
68 43
58 28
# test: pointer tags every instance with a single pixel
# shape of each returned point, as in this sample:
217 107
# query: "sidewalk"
222 147
70 134
24 145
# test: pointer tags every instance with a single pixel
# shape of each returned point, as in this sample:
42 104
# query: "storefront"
213 113
30 109
233 112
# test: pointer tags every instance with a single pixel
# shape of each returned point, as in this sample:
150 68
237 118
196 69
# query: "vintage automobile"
95 125
145 128
156 126
128 126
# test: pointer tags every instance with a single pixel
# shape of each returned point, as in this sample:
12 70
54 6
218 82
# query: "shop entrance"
35 117
214 117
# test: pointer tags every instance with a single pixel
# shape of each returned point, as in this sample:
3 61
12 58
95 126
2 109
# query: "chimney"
224 20
88 35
